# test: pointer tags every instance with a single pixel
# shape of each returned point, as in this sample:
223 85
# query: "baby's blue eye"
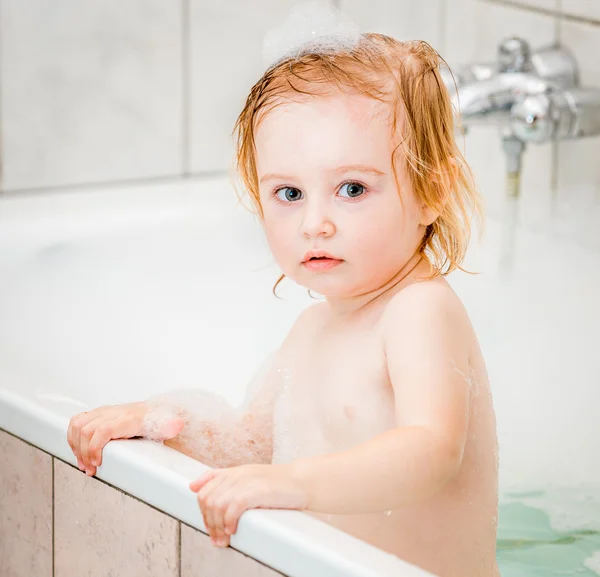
290 194
354 189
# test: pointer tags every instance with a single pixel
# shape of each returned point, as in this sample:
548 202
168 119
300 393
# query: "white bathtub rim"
293 543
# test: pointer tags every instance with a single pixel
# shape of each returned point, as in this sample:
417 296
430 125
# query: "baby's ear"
428 214
444 184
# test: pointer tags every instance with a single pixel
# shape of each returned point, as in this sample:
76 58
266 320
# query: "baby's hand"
224 494
89 432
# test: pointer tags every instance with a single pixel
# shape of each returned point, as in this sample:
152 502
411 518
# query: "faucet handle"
557 65
557 114
514 55
553 64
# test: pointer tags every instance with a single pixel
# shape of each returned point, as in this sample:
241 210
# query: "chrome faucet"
556 115
531 96
487 92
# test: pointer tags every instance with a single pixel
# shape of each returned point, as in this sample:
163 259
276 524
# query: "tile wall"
142 89
57 522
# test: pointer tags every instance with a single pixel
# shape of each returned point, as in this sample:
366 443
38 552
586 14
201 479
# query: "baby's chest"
336 393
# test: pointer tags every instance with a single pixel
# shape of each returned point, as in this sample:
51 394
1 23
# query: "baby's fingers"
100 437
75 425
196 485
212 505
85 437
238 505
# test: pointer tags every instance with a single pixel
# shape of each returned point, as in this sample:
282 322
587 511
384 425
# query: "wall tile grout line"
547 12
442 40
53 525
186 82
554 148
179 560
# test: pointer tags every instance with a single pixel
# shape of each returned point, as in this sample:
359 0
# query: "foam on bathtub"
182 405
208 429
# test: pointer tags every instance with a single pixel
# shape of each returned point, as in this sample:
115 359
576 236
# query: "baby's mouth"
321 262
319 256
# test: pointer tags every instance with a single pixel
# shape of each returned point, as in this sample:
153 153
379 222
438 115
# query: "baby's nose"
317 222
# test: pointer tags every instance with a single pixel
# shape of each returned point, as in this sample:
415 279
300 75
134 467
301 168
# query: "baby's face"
326 184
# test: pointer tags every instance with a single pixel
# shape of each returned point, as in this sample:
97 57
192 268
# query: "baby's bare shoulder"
430 303
427 321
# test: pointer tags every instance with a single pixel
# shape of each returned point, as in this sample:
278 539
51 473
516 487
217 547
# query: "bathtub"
110 295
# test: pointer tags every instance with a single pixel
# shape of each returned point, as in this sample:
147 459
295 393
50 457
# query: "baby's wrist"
301 471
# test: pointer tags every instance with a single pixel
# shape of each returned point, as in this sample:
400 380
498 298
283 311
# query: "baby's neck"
416 269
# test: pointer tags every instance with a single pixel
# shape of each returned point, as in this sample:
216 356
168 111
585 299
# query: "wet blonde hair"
406 76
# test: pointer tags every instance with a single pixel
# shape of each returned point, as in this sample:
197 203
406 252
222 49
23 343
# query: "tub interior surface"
117 318
178 294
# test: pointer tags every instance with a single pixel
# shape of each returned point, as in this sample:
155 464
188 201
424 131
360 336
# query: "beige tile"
25 509
100 531
90 92
225 62
474 29
578 198
200 558
402 19
583 8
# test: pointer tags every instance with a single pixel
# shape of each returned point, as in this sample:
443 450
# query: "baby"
375 415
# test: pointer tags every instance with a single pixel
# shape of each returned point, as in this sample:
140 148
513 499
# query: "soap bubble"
214 432
315 26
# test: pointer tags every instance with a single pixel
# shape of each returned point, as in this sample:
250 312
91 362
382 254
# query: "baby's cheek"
282 247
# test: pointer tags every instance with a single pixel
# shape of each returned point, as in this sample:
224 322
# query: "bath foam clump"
593 562
210 430
314 27
180 406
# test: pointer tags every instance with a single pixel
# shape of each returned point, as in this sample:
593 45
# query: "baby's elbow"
446 457
450 458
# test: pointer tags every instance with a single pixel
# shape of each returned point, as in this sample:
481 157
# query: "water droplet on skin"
388 513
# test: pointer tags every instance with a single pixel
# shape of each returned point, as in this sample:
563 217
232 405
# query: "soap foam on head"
315 27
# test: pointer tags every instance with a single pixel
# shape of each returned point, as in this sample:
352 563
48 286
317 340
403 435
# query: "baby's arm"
426 339
216 433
